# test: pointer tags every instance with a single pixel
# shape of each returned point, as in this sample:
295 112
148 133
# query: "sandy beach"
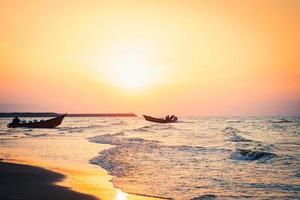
20 181
25 181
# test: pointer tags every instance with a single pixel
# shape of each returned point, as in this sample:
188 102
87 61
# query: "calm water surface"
196 158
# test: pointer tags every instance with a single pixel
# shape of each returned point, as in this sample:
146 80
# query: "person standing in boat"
16 120
175 119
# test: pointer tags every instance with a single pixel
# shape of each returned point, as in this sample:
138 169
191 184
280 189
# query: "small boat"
50 123
159 120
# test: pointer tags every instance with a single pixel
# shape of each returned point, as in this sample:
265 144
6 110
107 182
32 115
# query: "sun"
132 75
130 68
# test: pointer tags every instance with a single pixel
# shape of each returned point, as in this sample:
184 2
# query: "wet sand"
18 181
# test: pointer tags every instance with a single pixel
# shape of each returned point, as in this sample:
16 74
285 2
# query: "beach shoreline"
19 181
61 182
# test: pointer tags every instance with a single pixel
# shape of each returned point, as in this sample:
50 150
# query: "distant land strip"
52 114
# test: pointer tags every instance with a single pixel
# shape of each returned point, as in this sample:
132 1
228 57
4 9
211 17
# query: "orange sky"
184 57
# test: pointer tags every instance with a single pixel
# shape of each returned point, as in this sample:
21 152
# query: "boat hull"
157 120
50 123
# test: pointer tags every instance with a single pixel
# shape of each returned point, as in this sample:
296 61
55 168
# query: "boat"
50 123
159 120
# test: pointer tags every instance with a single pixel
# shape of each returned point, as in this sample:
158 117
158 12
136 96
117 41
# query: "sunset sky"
151 57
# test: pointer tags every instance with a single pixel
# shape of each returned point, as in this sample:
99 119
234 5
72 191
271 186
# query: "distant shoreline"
52 114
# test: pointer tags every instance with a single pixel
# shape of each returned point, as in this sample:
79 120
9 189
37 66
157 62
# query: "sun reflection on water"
121 195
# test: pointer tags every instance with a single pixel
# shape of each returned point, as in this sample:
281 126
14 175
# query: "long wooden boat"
158 120
50 123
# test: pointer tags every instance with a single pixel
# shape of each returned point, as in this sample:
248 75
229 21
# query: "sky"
157 57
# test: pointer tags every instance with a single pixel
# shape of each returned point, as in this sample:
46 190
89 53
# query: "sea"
195 158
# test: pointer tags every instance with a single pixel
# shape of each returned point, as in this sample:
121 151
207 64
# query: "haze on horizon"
184 57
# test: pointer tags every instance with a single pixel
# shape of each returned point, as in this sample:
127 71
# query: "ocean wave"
132 158
36 135
114 139
233 136
252 155
234 121
119 134
110 164
281 121
143 128
143 144
205 197
238 138
106 139
134 161
187 122
153 127
198 149
277 186
78 129
120 123
108 159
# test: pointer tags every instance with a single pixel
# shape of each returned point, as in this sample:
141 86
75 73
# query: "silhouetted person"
172 116
167 118
16 120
